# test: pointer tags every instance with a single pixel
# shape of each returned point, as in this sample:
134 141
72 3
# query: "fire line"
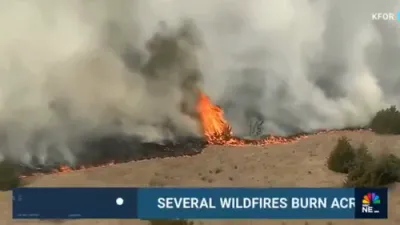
216 130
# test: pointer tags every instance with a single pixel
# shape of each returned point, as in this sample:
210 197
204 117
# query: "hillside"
300 164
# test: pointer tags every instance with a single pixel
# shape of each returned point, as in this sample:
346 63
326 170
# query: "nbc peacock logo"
370 200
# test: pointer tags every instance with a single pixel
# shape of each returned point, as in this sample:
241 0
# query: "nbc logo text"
369 201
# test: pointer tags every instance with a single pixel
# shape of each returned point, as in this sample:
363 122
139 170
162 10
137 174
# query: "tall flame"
212 119
218 131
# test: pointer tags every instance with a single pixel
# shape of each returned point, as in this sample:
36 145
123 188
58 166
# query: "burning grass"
109 151
217 131
112 150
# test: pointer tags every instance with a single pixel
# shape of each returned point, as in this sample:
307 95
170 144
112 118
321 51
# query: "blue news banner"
199 203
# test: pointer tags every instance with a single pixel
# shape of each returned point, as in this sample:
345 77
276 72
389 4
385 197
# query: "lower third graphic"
368 202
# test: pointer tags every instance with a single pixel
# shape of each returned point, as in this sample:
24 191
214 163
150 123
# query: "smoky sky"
80 70
304 65
75 69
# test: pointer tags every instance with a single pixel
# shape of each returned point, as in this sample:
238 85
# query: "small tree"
341 159
359 167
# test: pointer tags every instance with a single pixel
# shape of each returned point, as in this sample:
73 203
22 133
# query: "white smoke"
301 65
297 64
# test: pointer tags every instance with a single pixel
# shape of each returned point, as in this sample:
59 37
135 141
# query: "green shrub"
362 153
360 165
342 157
386 121
369 172
9 176
170 222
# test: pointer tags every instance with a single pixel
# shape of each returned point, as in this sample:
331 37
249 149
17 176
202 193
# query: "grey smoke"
76 69
304 65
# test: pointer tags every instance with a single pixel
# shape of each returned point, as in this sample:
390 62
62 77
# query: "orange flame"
212 119
67 169
216 130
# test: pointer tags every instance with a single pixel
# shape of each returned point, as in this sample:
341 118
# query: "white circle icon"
119 201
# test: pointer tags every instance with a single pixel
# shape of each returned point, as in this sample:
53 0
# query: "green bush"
362 155
170 222
363 170
9 176
386 121
341 159
370 172
360 165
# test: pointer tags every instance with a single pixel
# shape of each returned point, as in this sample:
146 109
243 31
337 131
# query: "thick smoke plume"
77 69
302 65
